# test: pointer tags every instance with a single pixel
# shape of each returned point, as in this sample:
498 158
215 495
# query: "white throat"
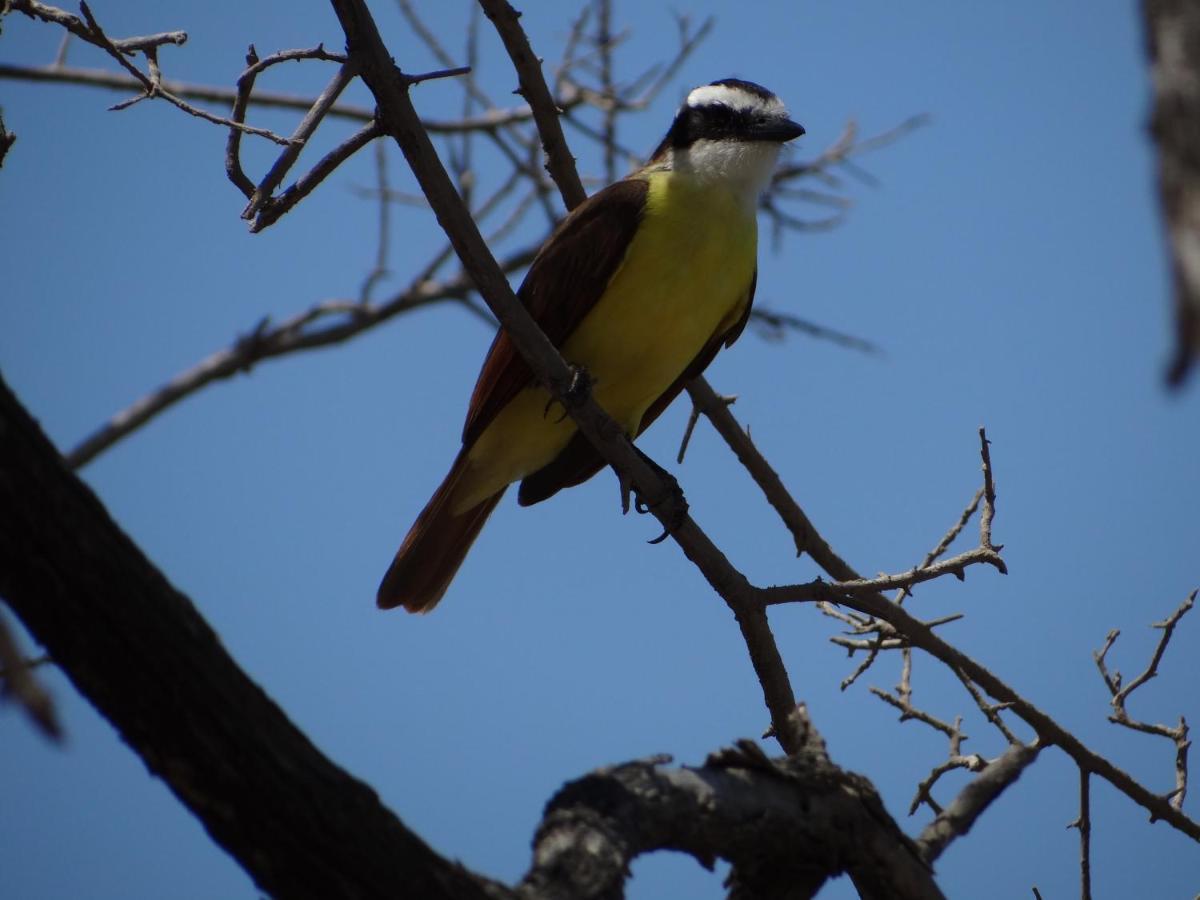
743 167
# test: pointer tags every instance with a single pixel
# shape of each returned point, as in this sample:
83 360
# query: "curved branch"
786 826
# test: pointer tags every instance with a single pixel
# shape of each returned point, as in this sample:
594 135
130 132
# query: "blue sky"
1008 260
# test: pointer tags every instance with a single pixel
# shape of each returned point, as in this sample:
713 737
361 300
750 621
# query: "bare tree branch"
920 634
266 341
559 161
262 194
1084 824
152 85
136 647
786 826
1120 716
100 78
956 819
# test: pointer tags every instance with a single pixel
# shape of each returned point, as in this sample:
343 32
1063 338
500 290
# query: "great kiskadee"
640 285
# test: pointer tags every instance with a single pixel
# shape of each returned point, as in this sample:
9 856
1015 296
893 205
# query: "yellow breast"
684 279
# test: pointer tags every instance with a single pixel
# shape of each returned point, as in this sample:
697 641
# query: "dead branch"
136 647
559 162
1084 824
100 78
262 194
1178 735
786 825
918 633
266 341
956 819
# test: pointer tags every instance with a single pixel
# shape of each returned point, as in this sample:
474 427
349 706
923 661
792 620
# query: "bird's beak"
780 130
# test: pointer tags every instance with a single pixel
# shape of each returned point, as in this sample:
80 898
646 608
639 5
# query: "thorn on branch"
1084 823
694 417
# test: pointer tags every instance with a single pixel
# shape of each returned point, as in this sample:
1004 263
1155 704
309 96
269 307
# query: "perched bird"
640 285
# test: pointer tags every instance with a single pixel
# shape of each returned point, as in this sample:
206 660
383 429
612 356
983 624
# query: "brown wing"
564 282
579 460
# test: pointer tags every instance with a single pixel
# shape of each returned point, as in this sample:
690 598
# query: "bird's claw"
674 504
576 391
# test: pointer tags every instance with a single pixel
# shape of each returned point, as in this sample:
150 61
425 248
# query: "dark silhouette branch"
786 825
136 647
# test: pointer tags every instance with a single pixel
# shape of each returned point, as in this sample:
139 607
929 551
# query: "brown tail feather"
434 548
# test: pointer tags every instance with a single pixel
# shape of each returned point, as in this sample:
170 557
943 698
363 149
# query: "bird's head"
728 130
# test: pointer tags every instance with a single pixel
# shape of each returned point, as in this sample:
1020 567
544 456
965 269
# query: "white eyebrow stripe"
734 98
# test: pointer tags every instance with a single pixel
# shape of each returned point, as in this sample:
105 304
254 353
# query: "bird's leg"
576 390
676 505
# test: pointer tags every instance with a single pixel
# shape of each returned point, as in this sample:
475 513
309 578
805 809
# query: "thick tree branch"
786 825
300 826
136 647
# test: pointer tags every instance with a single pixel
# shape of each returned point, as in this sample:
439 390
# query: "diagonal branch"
559 161
920 634
266 341
136 647
956 819
366 48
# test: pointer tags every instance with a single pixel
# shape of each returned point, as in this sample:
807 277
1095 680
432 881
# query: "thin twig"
604 44
840 591
265 342
99 78
947 539
1120 715
233 144
533 89
773 324
285 202
989 492
877 605
908 711
1084 824
155 88
262 194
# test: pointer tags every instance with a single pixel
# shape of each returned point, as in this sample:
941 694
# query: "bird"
639 287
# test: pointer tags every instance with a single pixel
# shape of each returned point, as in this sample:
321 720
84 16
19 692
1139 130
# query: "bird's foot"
575 392
672 509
